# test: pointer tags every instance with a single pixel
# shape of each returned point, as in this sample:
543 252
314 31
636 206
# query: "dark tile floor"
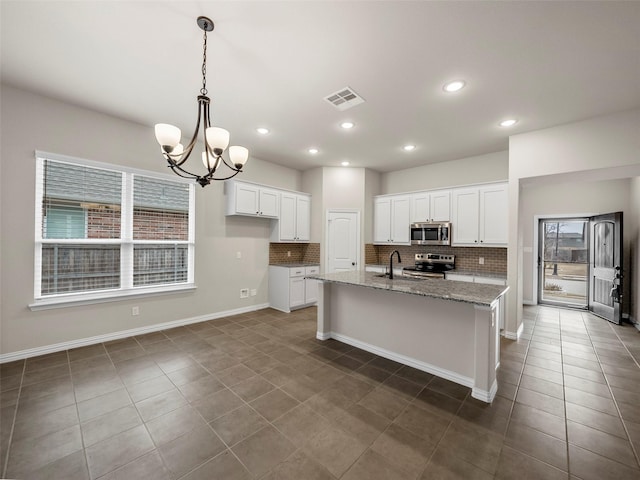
256 396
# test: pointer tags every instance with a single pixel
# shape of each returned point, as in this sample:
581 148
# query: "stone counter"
474 293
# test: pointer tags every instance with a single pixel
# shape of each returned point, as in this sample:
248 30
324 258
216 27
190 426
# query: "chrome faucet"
391 263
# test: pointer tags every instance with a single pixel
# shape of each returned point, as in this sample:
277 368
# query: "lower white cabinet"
472 278
288 289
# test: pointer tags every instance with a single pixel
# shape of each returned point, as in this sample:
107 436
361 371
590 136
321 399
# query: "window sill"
73 300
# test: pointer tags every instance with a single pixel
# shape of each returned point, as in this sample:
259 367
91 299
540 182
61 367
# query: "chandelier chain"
203 90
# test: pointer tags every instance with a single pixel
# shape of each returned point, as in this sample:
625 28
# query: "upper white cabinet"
251 199
479 215
294 223
431 206
392 216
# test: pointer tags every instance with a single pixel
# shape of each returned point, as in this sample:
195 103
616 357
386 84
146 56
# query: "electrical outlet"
238 254
135 311
244 293
481 260
254 292
288 254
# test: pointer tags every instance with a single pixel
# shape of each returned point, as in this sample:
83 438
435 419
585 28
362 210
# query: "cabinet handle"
475 241
481 241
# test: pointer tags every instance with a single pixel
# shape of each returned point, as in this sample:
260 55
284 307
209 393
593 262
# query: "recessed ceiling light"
510 122
345 164
313 151
408 148
262 130
347 125
454 86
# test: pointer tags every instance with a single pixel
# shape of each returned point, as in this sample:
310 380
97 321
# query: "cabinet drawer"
312 270
296 272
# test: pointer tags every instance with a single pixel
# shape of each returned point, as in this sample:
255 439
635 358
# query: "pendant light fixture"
215 139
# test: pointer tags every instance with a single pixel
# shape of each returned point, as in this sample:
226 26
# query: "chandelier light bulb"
168 136
176 153
218 139
238 155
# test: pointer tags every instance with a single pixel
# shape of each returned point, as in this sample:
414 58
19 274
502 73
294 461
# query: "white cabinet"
251 199
431 206
479 215
494 214
473 278
294 222
391 219
289 289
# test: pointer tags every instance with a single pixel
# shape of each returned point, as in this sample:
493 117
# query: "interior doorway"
580 263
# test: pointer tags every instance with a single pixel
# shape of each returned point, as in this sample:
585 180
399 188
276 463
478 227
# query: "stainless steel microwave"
431 233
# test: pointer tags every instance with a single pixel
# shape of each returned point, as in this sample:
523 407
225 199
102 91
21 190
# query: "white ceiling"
272 63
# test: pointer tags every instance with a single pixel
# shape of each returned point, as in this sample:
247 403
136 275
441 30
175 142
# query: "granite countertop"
475 293
295 264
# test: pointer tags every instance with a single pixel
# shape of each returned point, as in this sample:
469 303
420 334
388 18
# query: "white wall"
492 167
312 183
31 122
632 226
371 189
562 198
596 149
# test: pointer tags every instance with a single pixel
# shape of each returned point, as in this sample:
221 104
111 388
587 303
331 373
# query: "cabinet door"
268 203
296 291
400 220
287 221
420 207
303 218
310 291
493 215
247 199
382 220
440 206
465 216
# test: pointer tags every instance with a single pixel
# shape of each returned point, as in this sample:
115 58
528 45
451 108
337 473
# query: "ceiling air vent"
344 99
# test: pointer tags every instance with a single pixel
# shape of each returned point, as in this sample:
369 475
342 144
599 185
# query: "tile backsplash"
294 253
467 258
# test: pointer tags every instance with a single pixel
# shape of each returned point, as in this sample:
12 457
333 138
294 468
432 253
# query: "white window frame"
125 241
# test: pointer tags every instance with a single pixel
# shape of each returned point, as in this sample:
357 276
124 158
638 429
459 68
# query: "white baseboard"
83 342
323 336
514 335
483 395
529 302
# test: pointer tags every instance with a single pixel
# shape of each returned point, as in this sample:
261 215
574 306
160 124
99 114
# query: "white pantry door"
343 240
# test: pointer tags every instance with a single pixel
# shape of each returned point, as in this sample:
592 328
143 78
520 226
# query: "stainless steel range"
431 265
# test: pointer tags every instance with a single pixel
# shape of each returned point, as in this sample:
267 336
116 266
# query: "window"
104 231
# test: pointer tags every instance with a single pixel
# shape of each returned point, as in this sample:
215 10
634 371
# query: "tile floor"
256 396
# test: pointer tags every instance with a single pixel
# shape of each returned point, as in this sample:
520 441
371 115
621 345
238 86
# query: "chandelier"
215 139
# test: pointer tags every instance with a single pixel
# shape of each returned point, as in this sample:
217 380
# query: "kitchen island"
444 327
